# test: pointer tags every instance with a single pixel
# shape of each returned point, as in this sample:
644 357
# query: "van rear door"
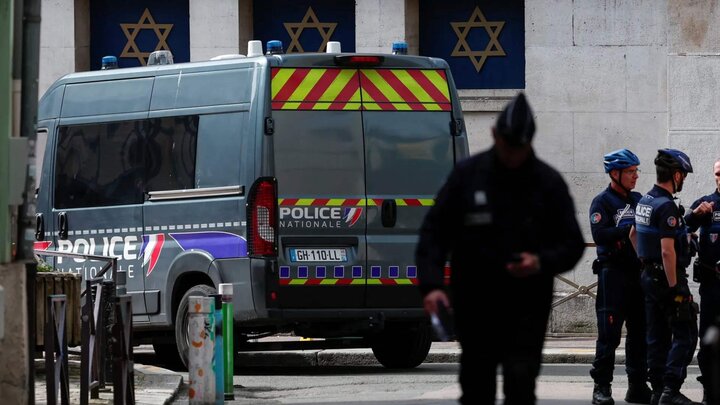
320 169
408 155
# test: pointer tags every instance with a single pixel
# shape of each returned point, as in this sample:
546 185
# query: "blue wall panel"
131 29
305 25
483 41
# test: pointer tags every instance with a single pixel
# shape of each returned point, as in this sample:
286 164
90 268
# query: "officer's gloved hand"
675 293
681 307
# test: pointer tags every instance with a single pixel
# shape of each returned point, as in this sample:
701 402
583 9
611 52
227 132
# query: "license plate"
318 255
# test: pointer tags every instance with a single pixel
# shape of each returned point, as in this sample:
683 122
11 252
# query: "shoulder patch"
595 218
672 222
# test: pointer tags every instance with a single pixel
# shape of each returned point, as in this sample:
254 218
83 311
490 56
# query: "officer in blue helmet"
704 214
661 241
506 222
619 295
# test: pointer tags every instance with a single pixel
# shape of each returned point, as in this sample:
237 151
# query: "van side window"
170 155
99 165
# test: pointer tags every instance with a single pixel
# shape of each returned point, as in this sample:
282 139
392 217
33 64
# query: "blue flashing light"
274 47
109 62
399 48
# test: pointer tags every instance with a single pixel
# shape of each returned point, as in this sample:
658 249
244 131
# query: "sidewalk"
155 385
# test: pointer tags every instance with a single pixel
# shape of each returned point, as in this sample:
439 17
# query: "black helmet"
515 123
673 159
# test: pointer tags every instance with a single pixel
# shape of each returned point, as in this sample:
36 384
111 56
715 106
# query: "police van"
301 179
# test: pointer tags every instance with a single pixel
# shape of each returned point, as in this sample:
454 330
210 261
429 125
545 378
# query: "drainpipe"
28 102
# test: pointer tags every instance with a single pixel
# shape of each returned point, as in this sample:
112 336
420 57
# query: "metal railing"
56 351
102 306
579 289
123 366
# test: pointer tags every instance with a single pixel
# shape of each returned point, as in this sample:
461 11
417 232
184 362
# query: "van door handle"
63 223
39 227
389 213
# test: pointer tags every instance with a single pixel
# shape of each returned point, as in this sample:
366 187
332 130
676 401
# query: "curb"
153 383
365 357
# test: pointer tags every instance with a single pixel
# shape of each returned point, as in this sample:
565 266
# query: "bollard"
226 291
218 358
201 336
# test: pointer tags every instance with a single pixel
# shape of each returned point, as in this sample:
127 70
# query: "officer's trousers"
512 341
620 300
709 311
671 343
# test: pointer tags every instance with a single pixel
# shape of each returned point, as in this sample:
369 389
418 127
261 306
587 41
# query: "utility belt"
652 267
619 262
704 272
656 269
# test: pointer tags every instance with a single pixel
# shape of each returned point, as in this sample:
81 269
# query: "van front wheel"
402 346
181 319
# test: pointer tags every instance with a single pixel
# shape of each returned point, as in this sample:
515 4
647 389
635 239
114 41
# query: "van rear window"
360 89
116 163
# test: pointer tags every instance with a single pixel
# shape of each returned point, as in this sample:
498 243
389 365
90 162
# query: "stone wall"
13 347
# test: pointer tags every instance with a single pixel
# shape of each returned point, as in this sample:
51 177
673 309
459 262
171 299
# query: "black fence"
106 343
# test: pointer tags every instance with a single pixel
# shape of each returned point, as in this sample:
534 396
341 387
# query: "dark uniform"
706 272
671 320
484 215
620 297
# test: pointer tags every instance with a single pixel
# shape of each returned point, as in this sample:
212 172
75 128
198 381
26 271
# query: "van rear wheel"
181 319
402 346
167 353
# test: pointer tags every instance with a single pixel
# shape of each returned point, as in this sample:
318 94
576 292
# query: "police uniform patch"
595 218
672 221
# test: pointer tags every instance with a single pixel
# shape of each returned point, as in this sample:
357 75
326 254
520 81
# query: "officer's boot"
602 395
657 389
672 396
638 393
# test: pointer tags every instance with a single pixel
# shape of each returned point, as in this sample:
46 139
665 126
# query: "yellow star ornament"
131 31
309 21
493 48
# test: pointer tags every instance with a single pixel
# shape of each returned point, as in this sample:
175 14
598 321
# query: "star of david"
131 31
295 29
493 48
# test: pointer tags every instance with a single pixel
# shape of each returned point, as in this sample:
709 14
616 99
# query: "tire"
167 353
402 346
181 320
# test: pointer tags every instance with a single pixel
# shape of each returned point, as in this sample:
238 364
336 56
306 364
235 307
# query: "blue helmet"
673 159
620 159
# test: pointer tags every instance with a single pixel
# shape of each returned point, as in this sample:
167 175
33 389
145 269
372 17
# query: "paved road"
561 384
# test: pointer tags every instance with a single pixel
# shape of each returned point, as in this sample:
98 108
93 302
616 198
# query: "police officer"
705 214
506 221
662 245
619 295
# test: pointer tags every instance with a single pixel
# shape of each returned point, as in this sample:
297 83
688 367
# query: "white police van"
300 179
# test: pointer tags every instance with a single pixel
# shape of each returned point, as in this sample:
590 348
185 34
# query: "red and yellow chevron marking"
315 89
404 90
366 89
346 281
353 202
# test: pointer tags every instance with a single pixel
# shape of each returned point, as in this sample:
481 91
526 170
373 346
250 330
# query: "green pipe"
226 290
